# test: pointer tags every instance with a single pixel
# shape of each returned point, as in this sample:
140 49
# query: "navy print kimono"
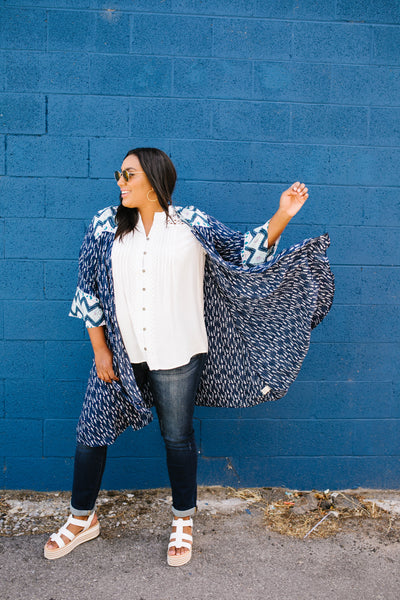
259 310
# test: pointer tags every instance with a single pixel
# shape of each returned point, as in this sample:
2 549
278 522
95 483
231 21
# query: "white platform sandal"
178 539
87 533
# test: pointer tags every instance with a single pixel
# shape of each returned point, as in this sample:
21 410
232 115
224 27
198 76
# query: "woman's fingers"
300 188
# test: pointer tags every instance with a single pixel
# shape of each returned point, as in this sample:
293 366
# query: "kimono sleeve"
248 249
86 304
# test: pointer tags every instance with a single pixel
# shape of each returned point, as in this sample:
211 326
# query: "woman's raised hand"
293 198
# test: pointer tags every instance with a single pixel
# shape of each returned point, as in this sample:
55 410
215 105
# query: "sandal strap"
178 539
80 522
182 536
181 545
56 537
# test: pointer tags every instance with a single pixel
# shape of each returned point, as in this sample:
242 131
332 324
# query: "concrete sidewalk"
235 556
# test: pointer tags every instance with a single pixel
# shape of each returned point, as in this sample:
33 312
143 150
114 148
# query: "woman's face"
134 192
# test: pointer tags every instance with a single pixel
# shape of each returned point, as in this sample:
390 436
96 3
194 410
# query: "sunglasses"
125 174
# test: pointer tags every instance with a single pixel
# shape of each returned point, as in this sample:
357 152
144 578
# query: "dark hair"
161 174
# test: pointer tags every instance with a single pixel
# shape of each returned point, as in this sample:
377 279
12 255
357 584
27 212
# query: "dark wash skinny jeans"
174 392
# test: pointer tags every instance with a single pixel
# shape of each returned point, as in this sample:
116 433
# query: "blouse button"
144 289
144 308
144 252
144 348
144 328
143 270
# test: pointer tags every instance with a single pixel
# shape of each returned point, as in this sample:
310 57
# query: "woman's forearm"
97 338
276 225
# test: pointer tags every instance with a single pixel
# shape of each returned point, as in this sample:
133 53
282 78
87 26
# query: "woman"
182 310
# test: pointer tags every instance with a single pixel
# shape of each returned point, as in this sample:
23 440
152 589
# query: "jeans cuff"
184 513
80 513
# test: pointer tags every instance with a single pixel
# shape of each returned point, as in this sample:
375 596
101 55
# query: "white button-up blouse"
158 286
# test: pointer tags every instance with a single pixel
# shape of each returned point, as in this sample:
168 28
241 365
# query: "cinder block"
38 399
60 277
276 81
332 205
357 323
386 41
81 198
130 75
2 70
2 400
13 191
43 238
295 437
214 160
203 77
170 117
217 7
385 11
274 10
300 402
327 472
39 320
57 3
21 437
21 279
22 113
355 400
47 72
55 474
68 360
380 285
347 284
230 201
2 237
329 124
351 362
2 154
87 116
21 360
220 437
140 5
71 29
171 35
135 473
374 84
319 41
362 166
39 156
384 128
211 412
379 206
376 437
59 437
218 471
364 245
107 155
290 162
112 31
233 120
23 28
252 39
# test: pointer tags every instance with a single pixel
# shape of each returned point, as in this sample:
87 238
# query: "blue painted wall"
247 96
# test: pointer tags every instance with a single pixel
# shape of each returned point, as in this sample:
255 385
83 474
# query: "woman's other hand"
104 365
103 356
293 199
